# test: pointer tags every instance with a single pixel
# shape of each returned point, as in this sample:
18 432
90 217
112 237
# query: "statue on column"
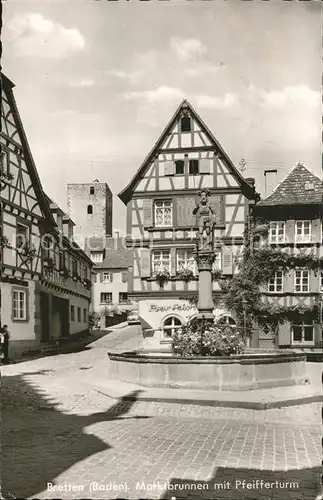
206 220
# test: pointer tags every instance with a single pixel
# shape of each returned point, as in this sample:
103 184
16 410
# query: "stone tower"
90 208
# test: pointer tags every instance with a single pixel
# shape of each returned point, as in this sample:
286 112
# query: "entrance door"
44 317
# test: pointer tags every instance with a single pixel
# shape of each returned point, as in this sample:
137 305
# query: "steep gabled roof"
127 192
291 190
8 85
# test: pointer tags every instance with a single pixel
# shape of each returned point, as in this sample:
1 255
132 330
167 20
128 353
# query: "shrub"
202 338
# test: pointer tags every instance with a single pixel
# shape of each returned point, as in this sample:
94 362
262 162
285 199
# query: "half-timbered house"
161 227
37 295
294 214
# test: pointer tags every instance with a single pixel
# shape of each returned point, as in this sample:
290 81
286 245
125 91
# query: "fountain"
160 368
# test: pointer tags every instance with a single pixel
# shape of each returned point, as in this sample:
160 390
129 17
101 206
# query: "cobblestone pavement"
62 438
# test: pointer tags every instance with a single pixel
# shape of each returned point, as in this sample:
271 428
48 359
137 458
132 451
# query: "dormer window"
186 125
91 190
90 209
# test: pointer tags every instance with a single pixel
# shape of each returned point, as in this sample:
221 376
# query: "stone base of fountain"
233 373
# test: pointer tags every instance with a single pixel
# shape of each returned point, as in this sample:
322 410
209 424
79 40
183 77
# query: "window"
179 167
185 124
170 325
72 313
79 315
84 315
74 268
91 190
90 209
97 256
107 277
309 186
4 162
106 298
161 261
302 231
61 260
303 330
185 260
321 281
226 320
19 305
277 232
47 246
123 297
193 167
22 235
275 283
301 280
163 213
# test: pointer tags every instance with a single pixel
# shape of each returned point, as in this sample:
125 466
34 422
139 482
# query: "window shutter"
147 213
101 277
227 262
111 277
316 231
284 334
124 277
145 263
290 231
315 280
204 166
289 281
169 168
173 261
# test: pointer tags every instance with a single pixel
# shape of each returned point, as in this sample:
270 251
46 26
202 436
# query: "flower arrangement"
216 274
185 274
162 276
202 338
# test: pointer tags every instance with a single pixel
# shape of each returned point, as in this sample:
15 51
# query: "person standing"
2 339
5 345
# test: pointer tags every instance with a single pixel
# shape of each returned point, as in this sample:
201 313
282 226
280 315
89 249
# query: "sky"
97 81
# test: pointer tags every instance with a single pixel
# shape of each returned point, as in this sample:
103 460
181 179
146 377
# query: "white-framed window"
303 331
185 260
301 280
19 305
163 212
303 231
107 277
277 232
321 281
22 235
106 298
170 325
276 282
226 320
160 261
96 257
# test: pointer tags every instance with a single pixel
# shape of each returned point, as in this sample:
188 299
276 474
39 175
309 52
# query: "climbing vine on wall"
242 293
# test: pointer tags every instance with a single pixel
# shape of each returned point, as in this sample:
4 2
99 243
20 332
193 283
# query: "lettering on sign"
174 308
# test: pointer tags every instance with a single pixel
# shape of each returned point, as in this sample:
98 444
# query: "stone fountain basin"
226 373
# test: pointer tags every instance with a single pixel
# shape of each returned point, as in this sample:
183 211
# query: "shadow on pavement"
249 484
38 442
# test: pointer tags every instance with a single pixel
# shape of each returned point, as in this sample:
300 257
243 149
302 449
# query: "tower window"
185 124
90 209
91 190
